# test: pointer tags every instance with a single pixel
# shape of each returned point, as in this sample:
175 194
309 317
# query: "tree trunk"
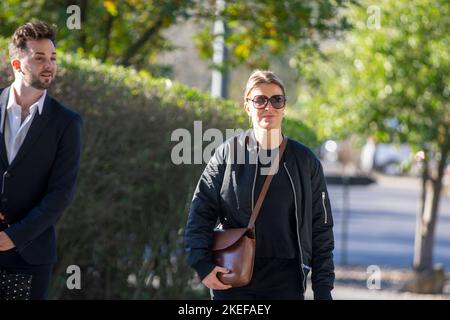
109 25
83 35
428 280
426 222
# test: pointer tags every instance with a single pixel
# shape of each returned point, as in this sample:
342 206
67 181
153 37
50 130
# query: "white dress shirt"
15 129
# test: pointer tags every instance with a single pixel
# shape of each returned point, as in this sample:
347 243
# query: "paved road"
382 223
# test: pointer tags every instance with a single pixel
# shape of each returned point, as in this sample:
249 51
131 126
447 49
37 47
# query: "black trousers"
12 262
273 279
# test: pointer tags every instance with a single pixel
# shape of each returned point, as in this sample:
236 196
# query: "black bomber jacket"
224 193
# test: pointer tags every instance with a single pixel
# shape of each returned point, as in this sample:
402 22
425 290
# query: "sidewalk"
357 293
380 231
351 284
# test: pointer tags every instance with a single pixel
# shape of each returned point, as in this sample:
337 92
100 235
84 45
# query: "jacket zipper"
324 207
298 236
3 181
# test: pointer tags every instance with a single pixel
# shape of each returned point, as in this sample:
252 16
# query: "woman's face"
268 117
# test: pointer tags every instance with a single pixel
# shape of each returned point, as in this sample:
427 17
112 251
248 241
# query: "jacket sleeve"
322 276
60 189
203 216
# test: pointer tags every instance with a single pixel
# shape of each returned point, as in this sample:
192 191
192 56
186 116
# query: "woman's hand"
212 282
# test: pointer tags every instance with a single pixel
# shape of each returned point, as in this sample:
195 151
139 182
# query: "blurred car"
392 159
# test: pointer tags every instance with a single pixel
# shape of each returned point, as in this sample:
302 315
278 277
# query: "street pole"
345 218
219 74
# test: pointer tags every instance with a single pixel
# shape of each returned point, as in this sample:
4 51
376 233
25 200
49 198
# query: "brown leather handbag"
235 248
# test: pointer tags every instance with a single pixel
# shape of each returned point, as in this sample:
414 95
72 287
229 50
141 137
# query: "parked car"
392 159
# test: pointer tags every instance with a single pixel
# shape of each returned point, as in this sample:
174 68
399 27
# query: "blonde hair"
262 76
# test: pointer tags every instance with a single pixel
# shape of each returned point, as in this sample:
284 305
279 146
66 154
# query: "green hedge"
125 226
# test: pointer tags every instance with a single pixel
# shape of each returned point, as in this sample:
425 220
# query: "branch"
109 25
134 48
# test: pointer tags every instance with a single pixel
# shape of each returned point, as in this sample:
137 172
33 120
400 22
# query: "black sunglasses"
260 101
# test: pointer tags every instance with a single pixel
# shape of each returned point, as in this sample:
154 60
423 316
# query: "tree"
260 29
130 32
119 32
391 77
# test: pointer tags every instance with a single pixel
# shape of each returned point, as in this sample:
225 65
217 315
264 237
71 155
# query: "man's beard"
36 83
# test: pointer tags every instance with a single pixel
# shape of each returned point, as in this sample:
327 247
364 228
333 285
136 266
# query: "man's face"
38 64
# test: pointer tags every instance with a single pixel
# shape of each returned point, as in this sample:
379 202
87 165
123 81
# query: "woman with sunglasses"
294 228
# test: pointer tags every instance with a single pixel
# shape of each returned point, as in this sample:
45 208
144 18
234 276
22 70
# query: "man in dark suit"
40 145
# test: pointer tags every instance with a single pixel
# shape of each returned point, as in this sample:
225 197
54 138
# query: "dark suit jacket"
40 182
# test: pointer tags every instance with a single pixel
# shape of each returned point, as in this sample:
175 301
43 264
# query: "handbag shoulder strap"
265 187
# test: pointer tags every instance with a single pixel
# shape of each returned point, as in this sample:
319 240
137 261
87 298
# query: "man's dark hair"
36 30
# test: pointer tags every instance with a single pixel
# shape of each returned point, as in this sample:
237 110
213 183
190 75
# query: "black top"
275 226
